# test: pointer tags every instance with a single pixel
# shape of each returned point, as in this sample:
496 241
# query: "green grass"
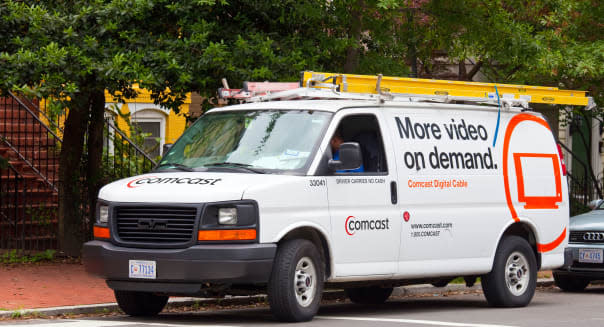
14 256
460 280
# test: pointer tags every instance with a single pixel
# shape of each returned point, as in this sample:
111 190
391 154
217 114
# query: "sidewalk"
56 288
43 285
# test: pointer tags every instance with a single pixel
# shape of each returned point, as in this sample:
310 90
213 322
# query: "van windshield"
252 141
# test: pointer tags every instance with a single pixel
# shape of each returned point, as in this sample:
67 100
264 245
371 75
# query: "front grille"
592 237
164 225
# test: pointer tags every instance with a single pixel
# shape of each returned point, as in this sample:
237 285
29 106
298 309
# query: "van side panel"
537 189
452 185
292 202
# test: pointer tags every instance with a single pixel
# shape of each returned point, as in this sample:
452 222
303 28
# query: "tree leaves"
190 45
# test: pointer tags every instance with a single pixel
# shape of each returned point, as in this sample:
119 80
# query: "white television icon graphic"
538 180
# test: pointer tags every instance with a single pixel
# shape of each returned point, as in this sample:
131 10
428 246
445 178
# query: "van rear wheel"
140 303
513 279
296 283
369 295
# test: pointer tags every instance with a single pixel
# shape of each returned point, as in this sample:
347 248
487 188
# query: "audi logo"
593 236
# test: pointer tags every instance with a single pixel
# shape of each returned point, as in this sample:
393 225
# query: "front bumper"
573 267
181 271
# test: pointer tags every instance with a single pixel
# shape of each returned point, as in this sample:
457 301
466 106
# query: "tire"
513 279
140 303
296 283
369 295
570 284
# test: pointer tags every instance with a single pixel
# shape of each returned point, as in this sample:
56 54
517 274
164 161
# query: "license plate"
142 269
590 255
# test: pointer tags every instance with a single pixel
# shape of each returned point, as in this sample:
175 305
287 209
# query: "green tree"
72 51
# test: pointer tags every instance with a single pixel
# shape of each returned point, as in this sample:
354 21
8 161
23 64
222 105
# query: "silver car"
583 257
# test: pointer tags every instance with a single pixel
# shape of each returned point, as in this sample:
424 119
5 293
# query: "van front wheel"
296 283
140 303
513 279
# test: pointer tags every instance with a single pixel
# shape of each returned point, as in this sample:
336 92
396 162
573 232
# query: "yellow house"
161 124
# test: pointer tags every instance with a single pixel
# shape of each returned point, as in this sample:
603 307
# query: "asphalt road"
549 308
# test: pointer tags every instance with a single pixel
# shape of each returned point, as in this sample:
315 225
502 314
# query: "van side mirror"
350 157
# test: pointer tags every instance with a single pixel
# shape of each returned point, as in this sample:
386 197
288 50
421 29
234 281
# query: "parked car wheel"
513 279
140 303
296 283
569 283
369 295
584 253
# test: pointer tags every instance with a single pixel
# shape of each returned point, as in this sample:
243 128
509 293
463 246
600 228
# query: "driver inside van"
335 143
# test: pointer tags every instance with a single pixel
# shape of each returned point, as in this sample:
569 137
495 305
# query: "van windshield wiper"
236 165
176 165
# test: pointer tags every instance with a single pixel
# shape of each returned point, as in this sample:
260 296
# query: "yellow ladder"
400 85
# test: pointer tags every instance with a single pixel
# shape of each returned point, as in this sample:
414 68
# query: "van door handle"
393 195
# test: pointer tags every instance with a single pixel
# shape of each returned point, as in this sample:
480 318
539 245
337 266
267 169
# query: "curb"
234 300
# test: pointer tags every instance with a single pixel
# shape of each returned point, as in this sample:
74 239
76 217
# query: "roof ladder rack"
431 87
316 85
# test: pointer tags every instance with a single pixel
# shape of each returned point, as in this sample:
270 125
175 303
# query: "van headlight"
229 221
103 214
227 216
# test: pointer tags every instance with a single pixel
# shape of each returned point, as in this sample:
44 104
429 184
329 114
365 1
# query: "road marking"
412 321
107 323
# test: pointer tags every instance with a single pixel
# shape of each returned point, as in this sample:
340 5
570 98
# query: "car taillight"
561 159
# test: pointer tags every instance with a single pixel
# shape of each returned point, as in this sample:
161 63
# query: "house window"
152 131
152 123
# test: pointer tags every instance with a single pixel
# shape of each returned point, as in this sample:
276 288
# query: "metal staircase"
29 192
28 187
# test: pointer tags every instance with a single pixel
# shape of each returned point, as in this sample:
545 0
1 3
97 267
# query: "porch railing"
122 157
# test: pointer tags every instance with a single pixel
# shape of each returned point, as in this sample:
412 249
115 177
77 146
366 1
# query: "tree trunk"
474 70
412 45
463 75
70 212
356 27
94 173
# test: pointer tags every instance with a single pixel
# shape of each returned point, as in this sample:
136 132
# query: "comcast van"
251 200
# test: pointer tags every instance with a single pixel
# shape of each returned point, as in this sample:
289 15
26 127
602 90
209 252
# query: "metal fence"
582 191
28 213
28 202
122 157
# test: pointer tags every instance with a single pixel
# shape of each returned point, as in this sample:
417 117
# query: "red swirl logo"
346 225
136 180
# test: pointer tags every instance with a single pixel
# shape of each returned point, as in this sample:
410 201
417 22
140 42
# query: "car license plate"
590 255
142 269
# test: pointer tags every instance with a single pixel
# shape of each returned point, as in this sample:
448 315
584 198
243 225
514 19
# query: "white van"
250 199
